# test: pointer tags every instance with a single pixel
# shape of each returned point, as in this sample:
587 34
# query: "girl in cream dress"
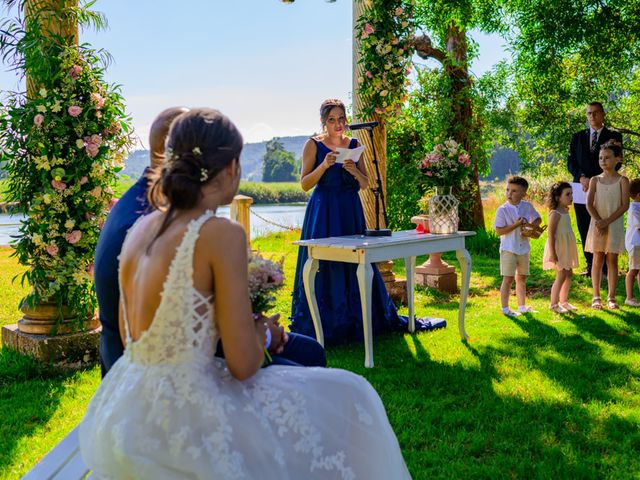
560 251
607 201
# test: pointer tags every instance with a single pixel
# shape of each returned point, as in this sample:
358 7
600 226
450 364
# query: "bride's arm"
243 342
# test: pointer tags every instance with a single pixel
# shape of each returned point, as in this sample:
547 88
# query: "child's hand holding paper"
349 154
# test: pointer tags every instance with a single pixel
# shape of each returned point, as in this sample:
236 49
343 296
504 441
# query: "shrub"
274 192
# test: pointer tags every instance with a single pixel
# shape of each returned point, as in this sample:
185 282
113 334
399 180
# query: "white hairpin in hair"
196 151
204 175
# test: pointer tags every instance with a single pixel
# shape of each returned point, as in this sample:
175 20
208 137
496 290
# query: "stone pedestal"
74 350
397 288
435 273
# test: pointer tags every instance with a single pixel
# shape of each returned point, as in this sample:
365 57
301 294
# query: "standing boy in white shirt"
514 248
632 242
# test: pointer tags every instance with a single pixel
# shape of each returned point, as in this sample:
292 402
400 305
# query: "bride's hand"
261 328
278 336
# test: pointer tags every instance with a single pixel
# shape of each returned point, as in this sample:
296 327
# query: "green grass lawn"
538 396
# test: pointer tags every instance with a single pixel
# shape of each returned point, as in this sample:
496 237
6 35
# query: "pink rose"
369 74
58 185
97 100
368 29
92 144
75 71
38 119
73 237
83 180
74 110
52 250
429 174
96 192
399 11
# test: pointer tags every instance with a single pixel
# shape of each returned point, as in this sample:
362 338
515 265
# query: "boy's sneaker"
632 302
526 309
510 313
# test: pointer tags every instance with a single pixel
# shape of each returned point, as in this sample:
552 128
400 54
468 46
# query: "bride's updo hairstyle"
200 144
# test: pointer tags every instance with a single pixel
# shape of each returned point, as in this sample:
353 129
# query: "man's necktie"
594 140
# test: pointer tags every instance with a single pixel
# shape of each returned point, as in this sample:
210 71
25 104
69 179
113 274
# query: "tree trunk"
463 128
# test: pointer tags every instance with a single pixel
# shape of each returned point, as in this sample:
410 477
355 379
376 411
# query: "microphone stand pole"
378 193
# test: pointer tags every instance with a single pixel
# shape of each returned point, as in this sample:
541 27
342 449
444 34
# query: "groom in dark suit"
286 348
583 164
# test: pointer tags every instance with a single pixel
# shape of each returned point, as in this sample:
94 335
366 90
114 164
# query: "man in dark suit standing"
583 164
286 348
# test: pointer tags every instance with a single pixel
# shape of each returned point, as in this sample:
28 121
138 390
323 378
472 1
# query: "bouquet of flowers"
265 278
447 165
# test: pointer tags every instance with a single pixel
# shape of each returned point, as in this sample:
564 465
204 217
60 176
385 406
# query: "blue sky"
266 64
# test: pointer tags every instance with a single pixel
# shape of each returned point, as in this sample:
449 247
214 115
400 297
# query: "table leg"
410 266
465 266
309 281
364 273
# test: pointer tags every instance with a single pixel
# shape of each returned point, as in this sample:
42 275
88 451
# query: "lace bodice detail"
170 339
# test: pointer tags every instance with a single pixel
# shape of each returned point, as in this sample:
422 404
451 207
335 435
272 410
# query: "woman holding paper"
334 210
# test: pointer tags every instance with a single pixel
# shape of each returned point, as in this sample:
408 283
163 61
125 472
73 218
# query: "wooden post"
240 213
52 24
379 132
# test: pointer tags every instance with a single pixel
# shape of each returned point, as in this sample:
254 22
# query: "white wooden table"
364 251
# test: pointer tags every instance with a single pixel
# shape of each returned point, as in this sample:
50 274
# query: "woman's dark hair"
329 105
553 198
200 144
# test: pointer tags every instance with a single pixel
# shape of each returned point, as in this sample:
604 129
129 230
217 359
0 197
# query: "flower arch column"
380 132
66 28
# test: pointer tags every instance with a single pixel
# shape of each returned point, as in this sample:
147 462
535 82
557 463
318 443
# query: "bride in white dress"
169 408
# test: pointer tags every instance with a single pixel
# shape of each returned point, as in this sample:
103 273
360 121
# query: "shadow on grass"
30 394
457 420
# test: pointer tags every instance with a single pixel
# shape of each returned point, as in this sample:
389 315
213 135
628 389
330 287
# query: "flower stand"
435 273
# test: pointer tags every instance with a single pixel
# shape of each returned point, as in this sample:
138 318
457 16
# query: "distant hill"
250 158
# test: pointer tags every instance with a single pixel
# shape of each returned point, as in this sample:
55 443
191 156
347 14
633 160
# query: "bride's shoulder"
223 233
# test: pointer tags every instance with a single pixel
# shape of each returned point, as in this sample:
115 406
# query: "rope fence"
266 220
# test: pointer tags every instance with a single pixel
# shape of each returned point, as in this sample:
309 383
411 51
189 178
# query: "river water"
276 218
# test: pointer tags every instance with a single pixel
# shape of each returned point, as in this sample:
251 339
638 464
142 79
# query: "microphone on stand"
360 126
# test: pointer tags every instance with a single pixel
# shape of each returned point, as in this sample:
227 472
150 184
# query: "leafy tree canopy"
279 165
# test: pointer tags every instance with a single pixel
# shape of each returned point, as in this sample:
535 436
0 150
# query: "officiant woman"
334 210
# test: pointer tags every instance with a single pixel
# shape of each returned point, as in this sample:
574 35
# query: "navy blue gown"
334 210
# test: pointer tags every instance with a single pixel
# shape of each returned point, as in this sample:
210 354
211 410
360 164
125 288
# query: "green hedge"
274 192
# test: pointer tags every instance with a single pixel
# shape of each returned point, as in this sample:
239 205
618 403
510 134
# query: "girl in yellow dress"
560 251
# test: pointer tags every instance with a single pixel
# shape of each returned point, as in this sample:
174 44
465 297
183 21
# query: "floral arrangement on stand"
384 27
447 165
266 277
63 144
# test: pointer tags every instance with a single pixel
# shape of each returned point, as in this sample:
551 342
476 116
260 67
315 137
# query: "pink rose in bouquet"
265 278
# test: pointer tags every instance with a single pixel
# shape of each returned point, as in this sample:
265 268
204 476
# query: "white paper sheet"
578 195
349 154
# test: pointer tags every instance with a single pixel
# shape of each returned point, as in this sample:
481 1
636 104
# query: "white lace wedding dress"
169 409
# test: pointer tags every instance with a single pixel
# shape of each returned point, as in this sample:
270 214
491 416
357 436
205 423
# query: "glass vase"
443 211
